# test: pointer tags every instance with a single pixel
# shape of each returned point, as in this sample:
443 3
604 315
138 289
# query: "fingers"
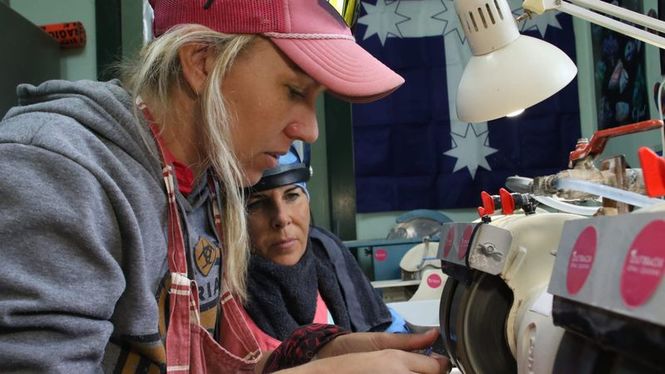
444 362
388 361
425 364
418 363
406 342
367 342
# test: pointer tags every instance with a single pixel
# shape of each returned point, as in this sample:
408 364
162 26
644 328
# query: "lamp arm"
581 11
622 13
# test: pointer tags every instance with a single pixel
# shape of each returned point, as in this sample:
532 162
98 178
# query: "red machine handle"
599 139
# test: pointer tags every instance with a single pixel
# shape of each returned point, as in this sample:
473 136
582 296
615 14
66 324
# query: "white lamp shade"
515 77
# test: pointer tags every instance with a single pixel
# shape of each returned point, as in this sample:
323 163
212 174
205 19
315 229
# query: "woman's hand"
387 361
378 353
374 341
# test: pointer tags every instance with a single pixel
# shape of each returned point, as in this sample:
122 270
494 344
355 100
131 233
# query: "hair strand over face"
154 77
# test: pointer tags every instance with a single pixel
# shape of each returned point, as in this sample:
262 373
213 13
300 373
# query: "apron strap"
178 335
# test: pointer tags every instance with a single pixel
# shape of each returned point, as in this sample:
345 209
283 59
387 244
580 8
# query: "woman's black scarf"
282 298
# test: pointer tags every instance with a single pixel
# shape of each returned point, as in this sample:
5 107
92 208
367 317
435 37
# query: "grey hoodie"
82 229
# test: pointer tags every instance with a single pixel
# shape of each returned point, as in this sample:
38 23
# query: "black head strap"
287 174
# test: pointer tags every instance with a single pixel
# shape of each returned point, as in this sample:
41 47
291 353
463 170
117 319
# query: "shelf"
395 283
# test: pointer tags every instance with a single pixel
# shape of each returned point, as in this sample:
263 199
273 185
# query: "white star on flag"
381 19
422 18
471 150
452 21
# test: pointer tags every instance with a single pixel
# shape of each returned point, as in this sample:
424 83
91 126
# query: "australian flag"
411 151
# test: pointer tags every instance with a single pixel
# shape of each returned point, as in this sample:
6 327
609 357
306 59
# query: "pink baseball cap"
310 32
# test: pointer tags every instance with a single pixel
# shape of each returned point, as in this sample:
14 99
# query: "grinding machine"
577 289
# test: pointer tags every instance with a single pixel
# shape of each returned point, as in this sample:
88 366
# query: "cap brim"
343 67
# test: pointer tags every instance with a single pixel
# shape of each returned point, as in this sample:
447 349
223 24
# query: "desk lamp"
509 72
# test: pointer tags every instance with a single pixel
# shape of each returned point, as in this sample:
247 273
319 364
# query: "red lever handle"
599 139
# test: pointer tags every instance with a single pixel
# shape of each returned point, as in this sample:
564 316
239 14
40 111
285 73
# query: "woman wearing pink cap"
122 231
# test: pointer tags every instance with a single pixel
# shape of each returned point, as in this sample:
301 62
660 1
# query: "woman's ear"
194 59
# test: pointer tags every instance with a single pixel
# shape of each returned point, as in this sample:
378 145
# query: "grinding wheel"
449 302
474 321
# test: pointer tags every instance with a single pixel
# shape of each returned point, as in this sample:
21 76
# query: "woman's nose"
305 129
281 217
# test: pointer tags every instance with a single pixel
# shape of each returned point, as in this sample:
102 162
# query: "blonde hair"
154 76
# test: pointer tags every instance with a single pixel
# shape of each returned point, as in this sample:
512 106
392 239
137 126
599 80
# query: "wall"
76 64
626 145
318 184
132 27
629 145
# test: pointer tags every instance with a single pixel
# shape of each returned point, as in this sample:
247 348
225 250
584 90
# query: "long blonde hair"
154 76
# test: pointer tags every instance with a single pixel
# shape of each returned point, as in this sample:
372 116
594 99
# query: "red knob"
488 202
507 201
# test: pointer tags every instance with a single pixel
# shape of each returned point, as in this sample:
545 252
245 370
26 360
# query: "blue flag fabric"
411 152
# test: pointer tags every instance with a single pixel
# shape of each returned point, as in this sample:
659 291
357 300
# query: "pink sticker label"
448 245
644 265
464 243
581 260
434 281
380 254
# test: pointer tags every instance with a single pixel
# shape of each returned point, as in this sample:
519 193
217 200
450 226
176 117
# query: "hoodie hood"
103 108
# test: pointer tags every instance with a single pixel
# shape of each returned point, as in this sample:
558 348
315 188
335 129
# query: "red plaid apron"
189 346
